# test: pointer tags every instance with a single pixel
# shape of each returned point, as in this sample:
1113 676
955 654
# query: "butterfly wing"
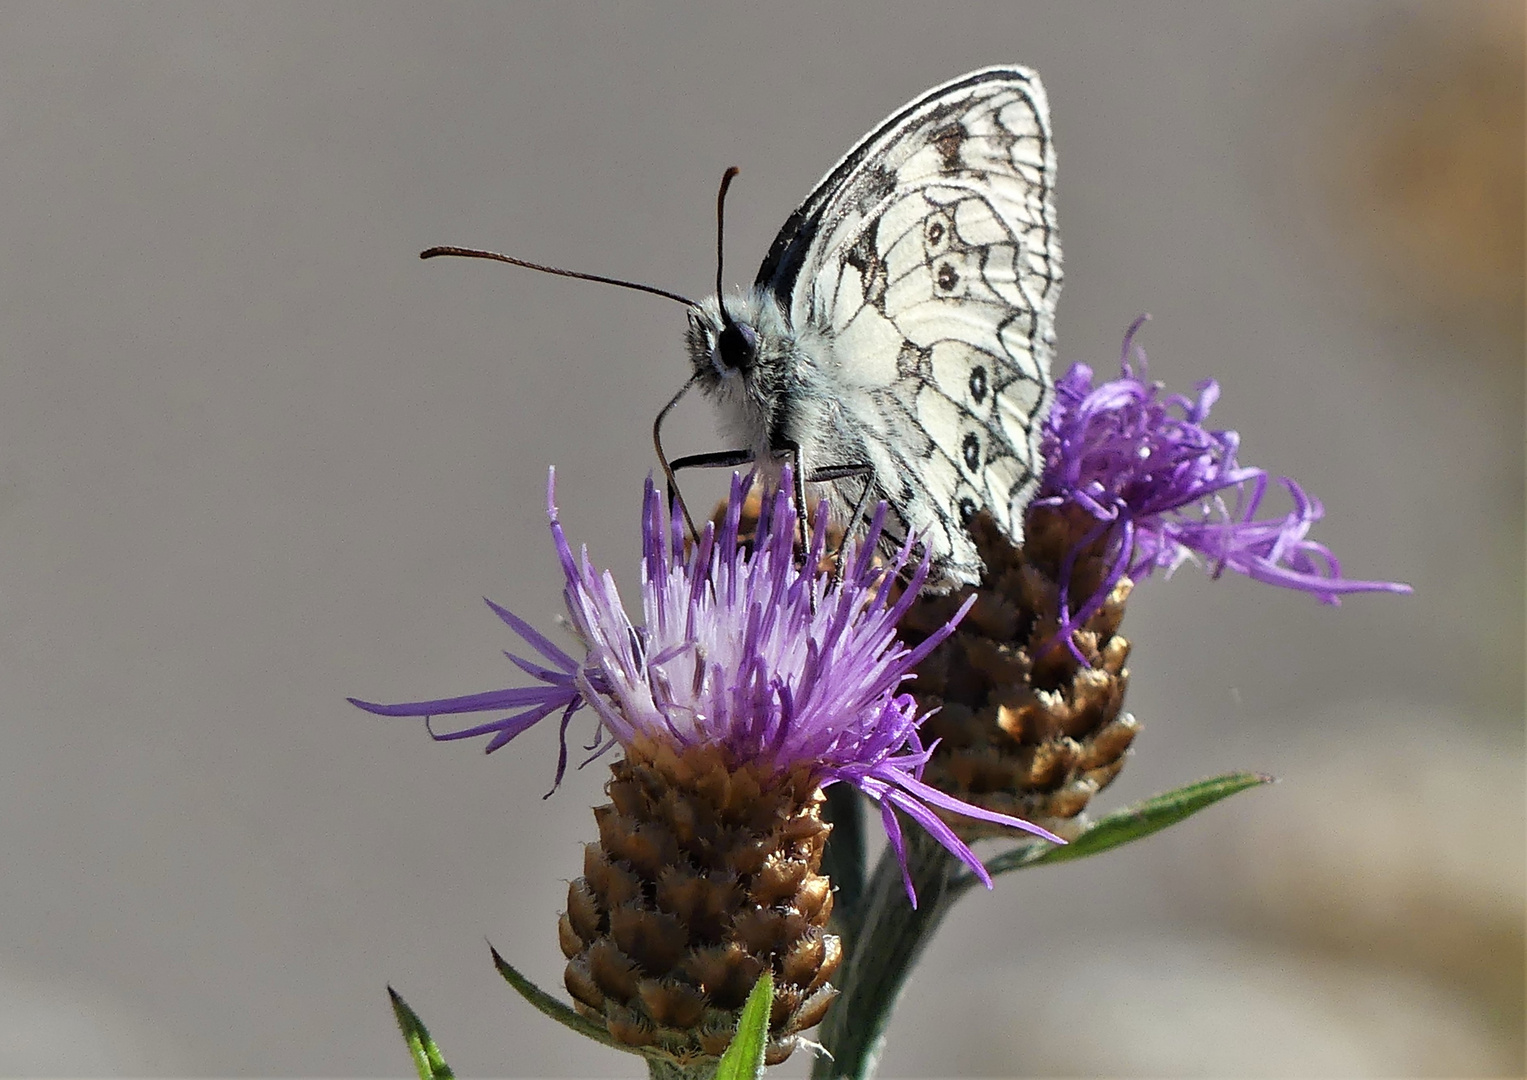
926 265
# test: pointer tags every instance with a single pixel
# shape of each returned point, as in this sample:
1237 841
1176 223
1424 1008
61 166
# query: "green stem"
892 936
843 861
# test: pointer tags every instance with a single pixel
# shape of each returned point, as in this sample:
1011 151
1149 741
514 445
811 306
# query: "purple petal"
502 730
1141 463
533 637
898 847
484 702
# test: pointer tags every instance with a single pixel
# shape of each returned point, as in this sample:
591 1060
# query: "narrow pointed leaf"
544 1002
744 1058
427 1058
1131 823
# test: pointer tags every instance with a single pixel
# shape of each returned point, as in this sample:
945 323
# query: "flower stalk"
882 956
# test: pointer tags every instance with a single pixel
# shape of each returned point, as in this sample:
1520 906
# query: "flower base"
1024 727
704 876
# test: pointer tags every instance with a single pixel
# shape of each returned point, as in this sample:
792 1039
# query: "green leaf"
1131 823
744 1058
562 1014
426 1055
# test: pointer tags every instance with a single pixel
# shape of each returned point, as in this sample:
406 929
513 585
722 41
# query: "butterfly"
897 342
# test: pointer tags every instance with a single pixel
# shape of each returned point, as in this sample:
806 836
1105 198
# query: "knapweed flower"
753 681
1030 688
1166 490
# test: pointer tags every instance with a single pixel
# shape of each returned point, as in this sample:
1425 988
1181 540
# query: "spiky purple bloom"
1170 490
749 647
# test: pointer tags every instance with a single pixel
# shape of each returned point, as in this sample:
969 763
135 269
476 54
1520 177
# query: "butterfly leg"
716 459
846 472
792 450
662 456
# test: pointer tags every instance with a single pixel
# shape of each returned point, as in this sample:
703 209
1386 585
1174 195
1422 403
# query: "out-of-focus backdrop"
255 456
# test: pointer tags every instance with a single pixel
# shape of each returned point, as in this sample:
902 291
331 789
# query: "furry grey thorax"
769 385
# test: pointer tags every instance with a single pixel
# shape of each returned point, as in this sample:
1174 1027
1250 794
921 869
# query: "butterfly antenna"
726 182
474 253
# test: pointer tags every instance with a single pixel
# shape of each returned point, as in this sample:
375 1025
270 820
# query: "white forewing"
925 269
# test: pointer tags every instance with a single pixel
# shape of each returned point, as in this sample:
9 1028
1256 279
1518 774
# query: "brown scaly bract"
1024 728
704 875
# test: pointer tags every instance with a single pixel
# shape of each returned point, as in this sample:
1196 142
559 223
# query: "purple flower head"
1170 490
748 647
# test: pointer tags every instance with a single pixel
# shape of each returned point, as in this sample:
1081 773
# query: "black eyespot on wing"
967 510
970 449
948 277
978 384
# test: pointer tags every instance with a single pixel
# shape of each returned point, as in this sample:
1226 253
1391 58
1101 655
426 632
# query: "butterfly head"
744 358
737 344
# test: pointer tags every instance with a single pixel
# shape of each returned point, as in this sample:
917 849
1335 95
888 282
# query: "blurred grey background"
255 456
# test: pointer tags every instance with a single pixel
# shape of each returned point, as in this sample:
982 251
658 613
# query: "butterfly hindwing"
927 266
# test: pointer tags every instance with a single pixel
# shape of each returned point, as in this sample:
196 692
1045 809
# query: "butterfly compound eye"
736 347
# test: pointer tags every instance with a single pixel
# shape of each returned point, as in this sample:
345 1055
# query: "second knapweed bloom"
1164 489
753 681
1030 688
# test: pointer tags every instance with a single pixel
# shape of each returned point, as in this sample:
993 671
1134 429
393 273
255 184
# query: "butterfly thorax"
766 383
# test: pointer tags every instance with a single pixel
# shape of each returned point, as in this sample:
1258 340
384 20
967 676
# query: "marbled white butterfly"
898 338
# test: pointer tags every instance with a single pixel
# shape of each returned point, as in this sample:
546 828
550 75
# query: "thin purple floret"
1166 490
745 647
